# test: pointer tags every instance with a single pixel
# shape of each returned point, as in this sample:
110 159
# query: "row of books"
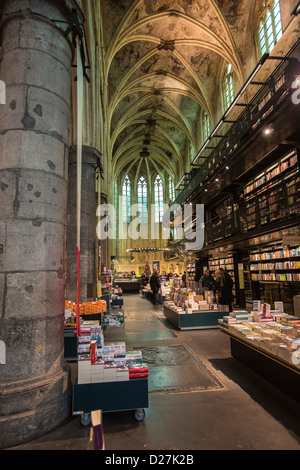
292 187
278 254
275 266
285 277
228 267
265 100
266 207
279 83
219 262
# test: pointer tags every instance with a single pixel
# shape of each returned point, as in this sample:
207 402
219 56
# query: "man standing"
155 286
207 280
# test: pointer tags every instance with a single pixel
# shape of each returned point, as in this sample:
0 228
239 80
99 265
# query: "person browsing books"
207 280
223 288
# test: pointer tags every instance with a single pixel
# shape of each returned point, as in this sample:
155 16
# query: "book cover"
93 351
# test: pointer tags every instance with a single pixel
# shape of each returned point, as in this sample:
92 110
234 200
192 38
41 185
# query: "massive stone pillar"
34 142
88 237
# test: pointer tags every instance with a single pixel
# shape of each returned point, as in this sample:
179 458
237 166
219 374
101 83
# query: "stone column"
34 140
88 237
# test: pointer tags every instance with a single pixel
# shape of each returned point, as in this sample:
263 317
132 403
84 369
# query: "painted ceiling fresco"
164 59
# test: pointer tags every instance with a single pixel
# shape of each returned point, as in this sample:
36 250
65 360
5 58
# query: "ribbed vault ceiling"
164 59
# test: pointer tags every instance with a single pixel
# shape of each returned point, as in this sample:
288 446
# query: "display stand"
107 390
202 319
111 396
129 287
93 316
114 321
106 297
275 370
116 302
70 344
146 293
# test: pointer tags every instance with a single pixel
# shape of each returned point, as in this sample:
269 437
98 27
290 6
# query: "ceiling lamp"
146 250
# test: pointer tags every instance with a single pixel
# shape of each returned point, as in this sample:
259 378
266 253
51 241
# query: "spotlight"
268 131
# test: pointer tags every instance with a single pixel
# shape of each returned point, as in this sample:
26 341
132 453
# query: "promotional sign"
156 266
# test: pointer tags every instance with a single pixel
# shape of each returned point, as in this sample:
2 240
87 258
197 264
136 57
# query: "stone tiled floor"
205 401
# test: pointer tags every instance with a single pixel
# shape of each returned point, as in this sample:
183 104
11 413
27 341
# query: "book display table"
111 396
129 286
277 371
202 319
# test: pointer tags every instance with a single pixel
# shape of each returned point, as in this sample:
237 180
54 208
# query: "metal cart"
111 396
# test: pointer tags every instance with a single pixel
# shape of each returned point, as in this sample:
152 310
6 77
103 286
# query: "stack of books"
272 331
106 362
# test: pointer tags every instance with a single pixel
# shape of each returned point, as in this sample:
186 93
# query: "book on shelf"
265 100
280 82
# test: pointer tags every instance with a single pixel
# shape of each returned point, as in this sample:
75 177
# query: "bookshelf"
191 271
265 103
273 194
293 193
225 263
281 265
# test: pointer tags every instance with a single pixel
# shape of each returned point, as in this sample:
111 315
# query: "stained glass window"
228 87
205 127
126 199
171 189
158 198
142 200
270 28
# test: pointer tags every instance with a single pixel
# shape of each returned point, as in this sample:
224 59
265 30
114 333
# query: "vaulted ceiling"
164 62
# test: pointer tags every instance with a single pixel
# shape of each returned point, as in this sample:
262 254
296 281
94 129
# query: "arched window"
142 200
205 127
158 199
270 28
126 200
171 189
228 87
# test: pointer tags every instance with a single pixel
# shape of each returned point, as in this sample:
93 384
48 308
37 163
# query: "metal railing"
269 97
